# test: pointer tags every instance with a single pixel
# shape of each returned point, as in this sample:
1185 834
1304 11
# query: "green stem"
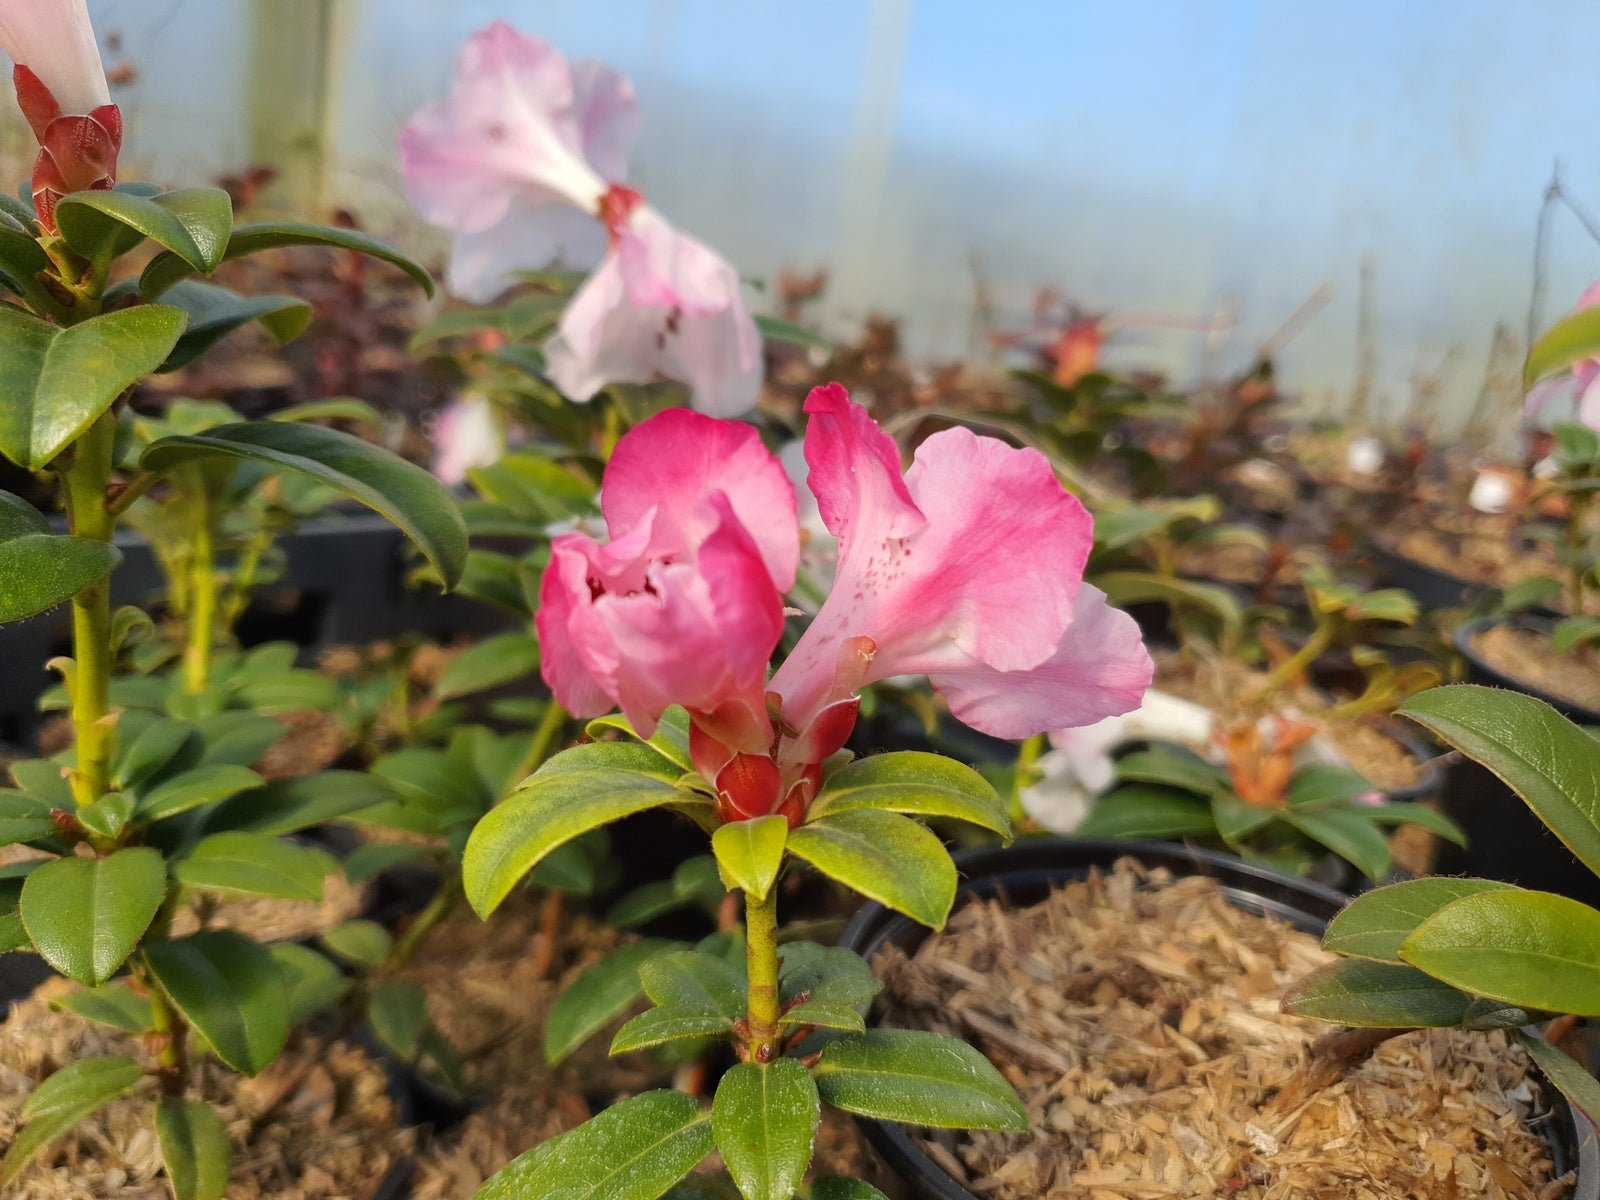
1024 774
84 480
244 577
1579 510
201 632
549 728
1321 638
442 904
167 1023
761 968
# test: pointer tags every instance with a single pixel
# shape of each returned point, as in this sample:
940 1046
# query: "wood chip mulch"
1139 1017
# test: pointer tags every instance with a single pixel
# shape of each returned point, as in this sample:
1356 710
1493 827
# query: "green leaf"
601 994
1171 766
884 856
1319 785
837 1187
1236 819
764 1119
166 269
114 1004
634 757
694 981
1532 949
919 1078
54 382
215 312
634 1150
549 810
360 943
1420 815
24 818
1580 1088
404 493
1142 811
749 854
255 864
1376 995
63 1100
373 858
140 756
1539 754
194 224
86 915
914 782
206 784
290 805
826 986
398 1010
1136 587
1349 834
1574 631
194 1148
230 990
108 815
39 570
313 982
1573 338
1375 923
774 329
670 740
658 1026
493 662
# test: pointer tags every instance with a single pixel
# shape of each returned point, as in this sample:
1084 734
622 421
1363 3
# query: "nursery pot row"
1030 871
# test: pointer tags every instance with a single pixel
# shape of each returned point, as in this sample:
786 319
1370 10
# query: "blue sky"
1151 154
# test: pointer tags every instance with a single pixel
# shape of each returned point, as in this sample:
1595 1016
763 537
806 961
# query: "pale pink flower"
1579 385
685 604
516 160
466 434
660 304
61 89
968 569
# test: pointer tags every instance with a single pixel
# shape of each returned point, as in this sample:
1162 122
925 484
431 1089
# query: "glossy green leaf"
826 986
24 818
1171 766
193 223
634 1150
314 984
493 662
837 1187
1580 1088
255 864
55 382
194 1148
404 493
1375 923
86 915
1349 834
206 784
1320 785
749 854
107 816
1420 815
913 782
1376 995
240 738
1573 338
884 856
659 1026
1144 811
1532 949
919 1078
636 757
290 805
216 312
63 1100
230 990
671 738
601 994
39 571
764 1119
166 269
114 1004
694 981
1236 819
1539 754
361 943
145 747
549 810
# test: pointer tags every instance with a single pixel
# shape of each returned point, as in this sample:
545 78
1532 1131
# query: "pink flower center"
617 206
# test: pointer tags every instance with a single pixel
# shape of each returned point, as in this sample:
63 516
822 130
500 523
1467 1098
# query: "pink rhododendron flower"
660 304
967 568
515 161
61 89
466 434
1580 385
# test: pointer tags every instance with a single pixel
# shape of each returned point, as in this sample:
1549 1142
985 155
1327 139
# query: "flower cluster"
967 568
525 162
61 88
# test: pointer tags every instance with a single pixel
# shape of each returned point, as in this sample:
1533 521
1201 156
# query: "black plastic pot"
1432 587
1026 874
1504 838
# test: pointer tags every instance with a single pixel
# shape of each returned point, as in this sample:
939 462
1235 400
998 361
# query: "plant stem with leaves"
84 480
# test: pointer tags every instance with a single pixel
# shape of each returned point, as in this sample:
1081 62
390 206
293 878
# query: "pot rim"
1467 630
1045 862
